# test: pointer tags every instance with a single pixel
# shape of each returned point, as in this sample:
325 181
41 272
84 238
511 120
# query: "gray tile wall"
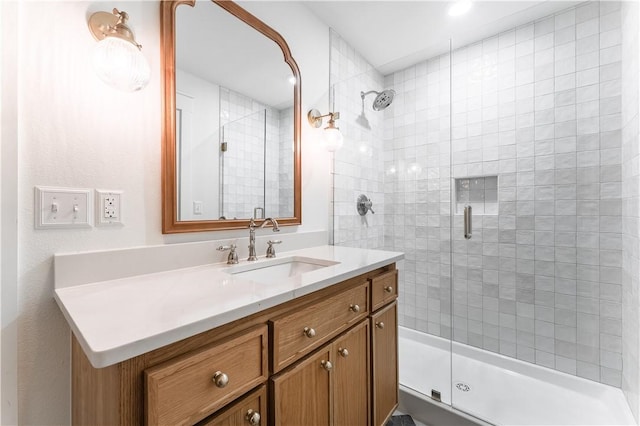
285 165
630 207
418 192
255 176
539 106
358 165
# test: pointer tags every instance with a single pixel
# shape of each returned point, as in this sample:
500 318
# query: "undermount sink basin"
273 270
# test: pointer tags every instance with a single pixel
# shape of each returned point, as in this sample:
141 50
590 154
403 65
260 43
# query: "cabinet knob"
326 365
253 417
309 332
380 324
344 352
354 308
388 289
220 379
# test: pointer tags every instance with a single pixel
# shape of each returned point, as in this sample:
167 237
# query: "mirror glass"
235 142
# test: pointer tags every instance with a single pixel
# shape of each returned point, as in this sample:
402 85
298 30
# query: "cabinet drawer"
250 410
297 333
384 289
189 388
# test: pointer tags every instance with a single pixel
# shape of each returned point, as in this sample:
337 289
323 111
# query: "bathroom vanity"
231 347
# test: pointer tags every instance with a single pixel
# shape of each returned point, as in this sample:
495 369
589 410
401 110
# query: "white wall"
200 153
75 131
9 209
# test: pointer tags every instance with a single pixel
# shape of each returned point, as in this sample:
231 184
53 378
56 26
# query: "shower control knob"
364 204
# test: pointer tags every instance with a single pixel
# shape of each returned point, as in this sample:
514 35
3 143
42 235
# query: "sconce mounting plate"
315 118
100 23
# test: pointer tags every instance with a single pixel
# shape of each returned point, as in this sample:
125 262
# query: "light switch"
62 207
197 207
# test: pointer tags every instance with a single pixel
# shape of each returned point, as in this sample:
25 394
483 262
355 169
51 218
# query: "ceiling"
215 46
392 35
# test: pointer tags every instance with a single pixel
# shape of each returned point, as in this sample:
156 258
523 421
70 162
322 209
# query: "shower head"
382 100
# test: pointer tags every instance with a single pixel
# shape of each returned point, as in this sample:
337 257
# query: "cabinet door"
302 394
384 343
250 410
351 379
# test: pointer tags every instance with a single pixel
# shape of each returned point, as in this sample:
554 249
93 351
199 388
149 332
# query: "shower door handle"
468 227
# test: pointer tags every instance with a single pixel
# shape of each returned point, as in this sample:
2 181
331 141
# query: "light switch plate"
108 207
63 207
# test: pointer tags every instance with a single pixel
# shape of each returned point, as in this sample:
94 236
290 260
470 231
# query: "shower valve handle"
364 204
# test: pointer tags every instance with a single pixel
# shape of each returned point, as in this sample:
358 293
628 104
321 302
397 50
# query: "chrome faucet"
252 236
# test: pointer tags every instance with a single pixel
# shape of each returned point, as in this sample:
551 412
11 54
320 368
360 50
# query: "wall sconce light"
332 136
118 58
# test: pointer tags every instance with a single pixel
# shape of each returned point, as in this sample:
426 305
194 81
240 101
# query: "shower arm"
363 94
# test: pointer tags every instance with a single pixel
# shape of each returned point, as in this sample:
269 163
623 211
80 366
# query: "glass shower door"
537 281
418 198
242 167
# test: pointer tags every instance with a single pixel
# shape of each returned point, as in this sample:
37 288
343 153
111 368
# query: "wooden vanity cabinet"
184 390
302 394
297 333
250 410
269 360
351 378
329 387
384 366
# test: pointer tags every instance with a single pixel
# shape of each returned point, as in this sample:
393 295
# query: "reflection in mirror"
231 148
234 119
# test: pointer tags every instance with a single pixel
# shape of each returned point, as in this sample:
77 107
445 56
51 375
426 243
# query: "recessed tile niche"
481 193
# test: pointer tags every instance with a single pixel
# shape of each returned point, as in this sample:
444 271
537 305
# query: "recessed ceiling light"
460 7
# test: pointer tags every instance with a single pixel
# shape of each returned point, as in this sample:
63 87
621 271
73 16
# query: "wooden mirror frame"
170 223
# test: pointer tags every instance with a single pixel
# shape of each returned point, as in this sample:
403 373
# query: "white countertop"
122 318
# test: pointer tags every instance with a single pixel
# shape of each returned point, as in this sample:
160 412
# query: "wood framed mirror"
211 181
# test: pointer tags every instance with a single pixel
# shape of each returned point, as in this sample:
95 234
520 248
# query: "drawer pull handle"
343 352
388 289
380 324
220 379
253 417
354 308
326 365
309 332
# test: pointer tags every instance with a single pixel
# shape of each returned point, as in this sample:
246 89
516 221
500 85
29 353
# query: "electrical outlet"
108 207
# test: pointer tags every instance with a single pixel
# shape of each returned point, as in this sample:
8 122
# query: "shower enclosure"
243 177
521 133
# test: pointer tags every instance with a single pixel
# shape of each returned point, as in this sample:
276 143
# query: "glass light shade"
121 64
333 139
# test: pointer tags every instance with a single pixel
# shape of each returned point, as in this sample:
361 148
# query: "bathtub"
486 387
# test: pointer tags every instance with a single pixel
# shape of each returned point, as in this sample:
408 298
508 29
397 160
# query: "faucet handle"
232 259
271 252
